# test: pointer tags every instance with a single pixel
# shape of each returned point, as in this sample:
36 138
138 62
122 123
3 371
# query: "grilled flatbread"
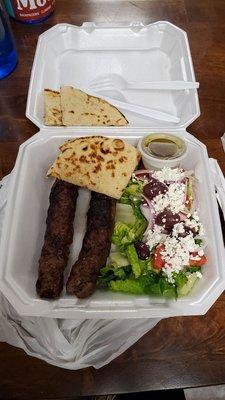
98 163
78 108
53 115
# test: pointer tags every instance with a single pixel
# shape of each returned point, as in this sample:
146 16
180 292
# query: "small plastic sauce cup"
162 150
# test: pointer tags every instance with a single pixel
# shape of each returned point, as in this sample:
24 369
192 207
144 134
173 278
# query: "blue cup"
8 54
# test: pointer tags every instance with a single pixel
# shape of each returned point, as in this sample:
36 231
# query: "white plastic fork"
114 81
145 111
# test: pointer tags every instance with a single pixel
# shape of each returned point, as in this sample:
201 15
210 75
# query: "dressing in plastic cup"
162 150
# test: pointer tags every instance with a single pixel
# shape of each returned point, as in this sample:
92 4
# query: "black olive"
167 219
142 250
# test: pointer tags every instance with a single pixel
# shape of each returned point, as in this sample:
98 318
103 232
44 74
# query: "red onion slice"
145 211
151 214
143 174
183 216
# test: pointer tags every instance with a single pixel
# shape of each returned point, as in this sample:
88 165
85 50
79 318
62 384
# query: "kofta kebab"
104 166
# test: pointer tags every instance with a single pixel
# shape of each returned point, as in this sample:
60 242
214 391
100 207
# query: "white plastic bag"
71 344
223 141
219 183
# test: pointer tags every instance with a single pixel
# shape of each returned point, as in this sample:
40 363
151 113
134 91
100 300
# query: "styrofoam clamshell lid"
75 55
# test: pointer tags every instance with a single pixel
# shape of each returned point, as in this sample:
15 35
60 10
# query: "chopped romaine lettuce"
180 279
137 211
152 283
132 193
110 273
146 265
140 285
185 289
133 260
198 242
130 222
134 286
125 213
193 269
134 188
125 234
106 275
118 260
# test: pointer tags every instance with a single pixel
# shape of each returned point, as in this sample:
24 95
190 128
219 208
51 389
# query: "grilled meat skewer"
58 237
96 246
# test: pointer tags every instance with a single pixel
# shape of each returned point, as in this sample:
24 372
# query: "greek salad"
158 240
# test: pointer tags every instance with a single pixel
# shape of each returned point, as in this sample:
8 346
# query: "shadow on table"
177 394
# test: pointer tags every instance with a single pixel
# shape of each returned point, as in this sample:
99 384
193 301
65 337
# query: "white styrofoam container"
73 55
24 228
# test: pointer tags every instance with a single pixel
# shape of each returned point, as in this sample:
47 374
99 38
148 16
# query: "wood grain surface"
179 352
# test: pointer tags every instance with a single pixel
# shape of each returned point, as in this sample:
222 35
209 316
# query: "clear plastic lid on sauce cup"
162 150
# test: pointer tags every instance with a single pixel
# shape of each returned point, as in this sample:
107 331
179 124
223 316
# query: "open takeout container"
71 55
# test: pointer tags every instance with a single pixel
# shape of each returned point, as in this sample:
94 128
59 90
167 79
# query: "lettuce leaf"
144 284
193 269
134 261
146 265
125 213
180 279
150 283
198 242
111 273
125 234
132 193
134 286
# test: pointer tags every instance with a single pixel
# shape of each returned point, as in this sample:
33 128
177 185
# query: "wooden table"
179 352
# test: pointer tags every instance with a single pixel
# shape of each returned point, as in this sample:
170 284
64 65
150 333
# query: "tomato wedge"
197 263
158 261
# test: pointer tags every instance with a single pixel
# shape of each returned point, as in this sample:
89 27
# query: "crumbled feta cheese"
176 195
160 202
194 223
201 230
169 174
168 271
189 243
195 258
198 274
178 228
178 249
155 236
172 199
191 223
195 216
176 253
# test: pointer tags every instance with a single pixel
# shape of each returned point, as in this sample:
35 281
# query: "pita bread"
53 115
98 163
78 108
